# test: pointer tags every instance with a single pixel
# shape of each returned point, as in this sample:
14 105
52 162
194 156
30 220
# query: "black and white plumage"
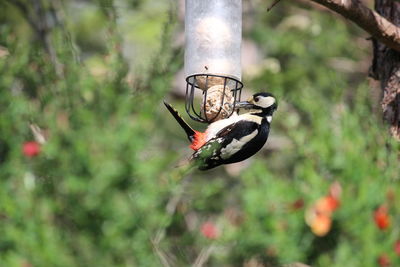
233 139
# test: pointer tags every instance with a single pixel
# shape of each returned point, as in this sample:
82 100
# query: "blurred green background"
89 77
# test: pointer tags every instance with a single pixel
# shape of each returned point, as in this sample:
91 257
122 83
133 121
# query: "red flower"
381 217
319 216
31 149
383 260
327 205
397 247
298 204
321 225
209 230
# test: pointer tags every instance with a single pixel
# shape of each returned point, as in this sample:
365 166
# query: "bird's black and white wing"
233 143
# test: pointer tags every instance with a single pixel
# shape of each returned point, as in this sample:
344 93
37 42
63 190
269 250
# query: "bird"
232 139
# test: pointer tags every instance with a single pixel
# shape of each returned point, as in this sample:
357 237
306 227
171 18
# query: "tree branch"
373 23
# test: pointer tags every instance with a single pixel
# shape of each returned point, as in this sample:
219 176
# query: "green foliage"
103 190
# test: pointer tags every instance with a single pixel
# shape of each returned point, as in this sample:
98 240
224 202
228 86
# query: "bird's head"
262 104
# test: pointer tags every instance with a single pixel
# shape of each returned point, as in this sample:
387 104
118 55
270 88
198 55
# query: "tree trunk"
386 68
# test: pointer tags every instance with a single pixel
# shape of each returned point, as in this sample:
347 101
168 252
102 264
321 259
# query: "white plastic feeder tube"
213 35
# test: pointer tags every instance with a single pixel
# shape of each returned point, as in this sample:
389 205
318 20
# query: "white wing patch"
236 145
217 126
250 117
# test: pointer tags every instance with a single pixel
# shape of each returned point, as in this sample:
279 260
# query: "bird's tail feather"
183 169
186 127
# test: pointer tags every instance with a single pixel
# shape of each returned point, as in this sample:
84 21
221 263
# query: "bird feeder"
213 35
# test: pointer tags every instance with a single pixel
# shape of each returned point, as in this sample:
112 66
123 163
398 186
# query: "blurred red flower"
397 247
209 230
383 260
319 216
31 149
320 224
297 204
327 205
381 217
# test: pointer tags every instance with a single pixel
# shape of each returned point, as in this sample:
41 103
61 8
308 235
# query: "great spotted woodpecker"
232 139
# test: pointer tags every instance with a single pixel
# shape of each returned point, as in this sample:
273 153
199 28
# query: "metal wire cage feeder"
213 35
229 95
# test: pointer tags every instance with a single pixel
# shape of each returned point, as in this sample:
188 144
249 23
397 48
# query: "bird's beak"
244 104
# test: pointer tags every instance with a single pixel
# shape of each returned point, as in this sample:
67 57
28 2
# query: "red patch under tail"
199 140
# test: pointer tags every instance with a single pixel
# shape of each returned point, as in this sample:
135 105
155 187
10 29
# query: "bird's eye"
256 99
